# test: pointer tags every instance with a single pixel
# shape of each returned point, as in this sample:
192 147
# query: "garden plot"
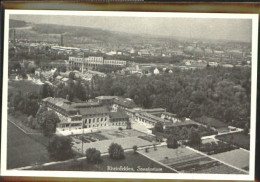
185 160
238 139
238 158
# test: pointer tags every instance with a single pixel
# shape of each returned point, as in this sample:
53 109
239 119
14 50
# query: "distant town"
135 103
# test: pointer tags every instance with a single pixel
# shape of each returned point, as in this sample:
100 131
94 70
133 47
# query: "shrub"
93 155
116 151
60 148
172 142
135 149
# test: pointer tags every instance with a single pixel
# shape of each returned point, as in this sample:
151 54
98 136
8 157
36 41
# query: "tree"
158 127
135 149
72 75
194 137
246 129
60 148
93 155
46 91
16 100
116 151
172 142
39 115
48 122
128 124
30 121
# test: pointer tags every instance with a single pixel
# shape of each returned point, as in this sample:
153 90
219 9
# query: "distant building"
213 64
156 71
115 62
95 61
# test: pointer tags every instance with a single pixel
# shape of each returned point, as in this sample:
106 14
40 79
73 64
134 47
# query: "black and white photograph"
129 94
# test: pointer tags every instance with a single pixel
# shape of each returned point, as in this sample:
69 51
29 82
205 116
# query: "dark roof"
169 114
125 102
185 123
94 110
85 104
116 115
211 121
152 118
60 102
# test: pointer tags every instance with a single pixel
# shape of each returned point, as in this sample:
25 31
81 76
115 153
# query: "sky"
195 28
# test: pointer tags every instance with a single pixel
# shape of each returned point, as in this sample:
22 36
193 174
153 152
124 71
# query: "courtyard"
102 140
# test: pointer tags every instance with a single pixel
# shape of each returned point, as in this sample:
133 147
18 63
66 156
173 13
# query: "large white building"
83 115
95 61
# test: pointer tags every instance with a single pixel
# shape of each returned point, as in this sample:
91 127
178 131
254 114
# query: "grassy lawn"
238 139
23 85
22 150
131 162
19 118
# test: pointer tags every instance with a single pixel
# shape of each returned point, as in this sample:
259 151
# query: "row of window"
105 124
144 121
90 120
90 126
94 60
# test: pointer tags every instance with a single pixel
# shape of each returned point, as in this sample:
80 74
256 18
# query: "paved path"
23 129
83 158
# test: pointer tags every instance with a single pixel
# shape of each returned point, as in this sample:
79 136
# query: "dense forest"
221 93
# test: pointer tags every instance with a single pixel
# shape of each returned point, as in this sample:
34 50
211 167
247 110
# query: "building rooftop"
118 115
94 110
85 104
125 102
211 122
60 102
106 97
178 124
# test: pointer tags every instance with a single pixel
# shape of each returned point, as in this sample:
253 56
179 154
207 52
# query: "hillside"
16 23
73 34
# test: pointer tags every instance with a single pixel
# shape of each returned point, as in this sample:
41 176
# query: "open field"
22 85
185 160
238 158
238 139
22 150
129 164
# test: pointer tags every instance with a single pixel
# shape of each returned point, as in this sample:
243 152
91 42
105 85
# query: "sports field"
22 150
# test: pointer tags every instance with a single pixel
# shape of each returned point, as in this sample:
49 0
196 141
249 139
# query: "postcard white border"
136 175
